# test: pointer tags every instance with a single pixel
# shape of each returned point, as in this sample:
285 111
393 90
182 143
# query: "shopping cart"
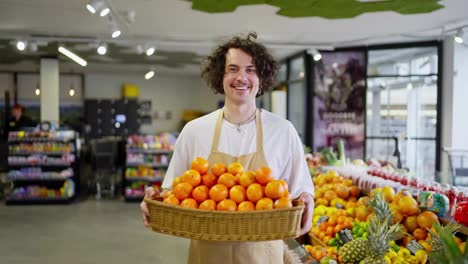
458 159
104 162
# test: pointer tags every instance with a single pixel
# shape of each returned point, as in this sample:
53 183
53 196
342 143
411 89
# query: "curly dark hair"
213 66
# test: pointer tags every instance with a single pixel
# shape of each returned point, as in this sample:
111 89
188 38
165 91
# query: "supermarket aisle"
85 232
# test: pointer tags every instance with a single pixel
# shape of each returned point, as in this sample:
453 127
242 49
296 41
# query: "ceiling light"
21 45
116 33
102 49
37 91
94 6
459 37
150 51
104 12
149 75
72 56
71 92
317 57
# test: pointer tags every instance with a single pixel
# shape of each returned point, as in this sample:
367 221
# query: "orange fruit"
264 204
209 180
183 190
254 192
200 193
411 223
354 191
246 206
218 192
408 206
189 203
342 191
282 202
362 212
330 195
166 194
177 180
235 168
321 201
227 179
247 178
420 234
193 177
427 219
457 240
275 189
285 185
218 168
397 216
237 193
227 205
348 182
171 199
207 205
200 164
400 195
263 175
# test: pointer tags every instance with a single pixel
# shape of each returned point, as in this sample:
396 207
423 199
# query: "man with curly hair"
242 69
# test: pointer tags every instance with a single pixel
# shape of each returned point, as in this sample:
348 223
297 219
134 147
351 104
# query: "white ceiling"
173 26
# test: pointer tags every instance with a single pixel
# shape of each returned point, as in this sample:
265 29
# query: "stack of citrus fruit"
227 188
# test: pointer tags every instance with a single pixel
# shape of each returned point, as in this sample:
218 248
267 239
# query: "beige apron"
208 252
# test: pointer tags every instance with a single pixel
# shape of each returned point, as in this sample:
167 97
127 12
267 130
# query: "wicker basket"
198 224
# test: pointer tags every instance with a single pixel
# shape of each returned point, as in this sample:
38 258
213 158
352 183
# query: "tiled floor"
107 231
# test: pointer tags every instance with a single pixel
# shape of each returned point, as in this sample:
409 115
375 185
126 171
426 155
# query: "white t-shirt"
281 144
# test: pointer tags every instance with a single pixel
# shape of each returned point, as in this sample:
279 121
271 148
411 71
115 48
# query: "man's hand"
149 193
306 222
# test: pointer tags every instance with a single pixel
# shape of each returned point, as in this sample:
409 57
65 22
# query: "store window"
402 90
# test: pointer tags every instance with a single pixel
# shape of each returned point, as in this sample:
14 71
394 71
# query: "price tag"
414 246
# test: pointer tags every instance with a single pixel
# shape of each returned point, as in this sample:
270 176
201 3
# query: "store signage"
340 101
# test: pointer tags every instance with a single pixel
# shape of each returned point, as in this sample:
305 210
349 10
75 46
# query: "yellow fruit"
421 255
392 254
404 252
387 260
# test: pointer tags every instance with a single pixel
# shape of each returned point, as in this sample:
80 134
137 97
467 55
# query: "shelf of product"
147 159
42 167
41 193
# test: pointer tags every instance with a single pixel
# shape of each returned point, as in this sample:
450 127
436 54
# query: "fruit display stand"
42 167
147 159
334 207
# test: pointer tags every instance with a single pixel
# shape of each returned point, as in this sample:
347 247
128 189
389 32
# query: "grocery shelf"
50 153
145 178
43 178
24 164
30 140
149 151
152 165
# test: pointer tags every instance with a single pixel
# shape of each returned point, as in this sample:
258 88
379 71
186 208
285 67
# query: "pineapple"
380 234
444 247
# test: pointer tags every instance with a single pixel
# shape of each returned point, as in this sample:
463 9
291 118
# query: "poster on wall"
340 101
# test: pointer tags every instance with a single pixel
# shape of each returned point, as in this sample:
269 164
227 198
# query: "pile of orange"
227 188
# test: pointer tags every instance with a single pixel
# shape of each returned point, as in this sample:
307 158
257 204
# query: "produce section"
42 167
350 224
147 159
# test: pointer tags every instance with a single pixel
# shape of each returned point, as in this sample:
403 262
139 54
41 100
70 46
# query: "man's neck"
238 113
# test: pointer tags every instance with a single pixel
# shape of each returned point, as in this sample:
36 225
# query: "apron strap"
259 132
217 132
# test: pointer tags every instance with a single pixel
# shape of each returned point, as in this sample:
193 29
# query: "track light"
37 91
115 32
104 12
459 36
150 51
315 54
72 56
95 6
21 45
102 49
149 75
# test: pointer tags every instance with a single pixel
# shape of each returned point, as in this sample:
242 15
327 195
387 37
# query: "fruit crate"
275 224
